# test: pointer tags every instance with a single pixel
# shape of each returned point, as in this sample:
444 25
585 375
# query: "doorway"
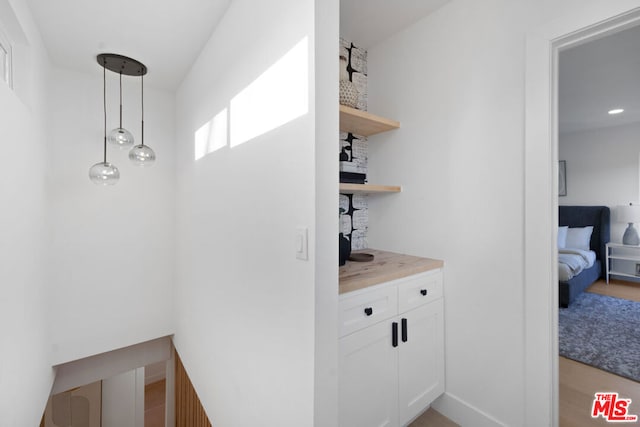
598 134
541 194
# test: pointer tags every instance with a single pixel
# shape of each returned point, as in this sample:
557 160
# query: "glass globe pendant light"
119 136
142 155
104 173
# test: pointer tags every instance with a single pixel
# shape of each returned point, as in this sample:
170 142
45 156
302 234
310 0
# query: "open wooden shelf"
368 188
364 123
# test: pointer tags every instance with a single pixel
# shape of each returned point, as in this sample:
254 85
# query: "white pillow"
579 238
562 237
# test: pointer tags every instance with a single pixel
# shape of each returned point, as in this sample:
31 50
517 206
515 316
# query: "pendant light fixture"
119 136
104 173
142 155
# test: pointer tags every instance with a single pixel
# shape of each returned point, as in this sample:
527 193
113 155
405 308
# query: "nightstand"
620 252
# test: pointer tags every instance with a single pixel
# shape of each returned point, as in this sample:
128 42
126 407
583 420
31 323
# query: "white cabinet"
421 360
391 363
369 378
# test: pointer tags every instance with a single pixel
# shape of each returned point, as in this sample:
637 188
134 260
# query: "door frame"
541 194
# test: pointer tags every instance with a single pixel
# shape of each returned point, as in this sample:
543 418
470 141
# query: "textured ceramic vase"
630 236
348 91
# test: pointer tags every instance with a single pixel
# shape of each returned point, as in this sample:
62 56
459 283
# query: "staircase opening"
127 387
144 385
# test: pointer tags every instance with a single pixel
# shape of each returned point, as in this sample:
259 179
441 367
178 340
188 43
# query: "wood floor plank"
617 289
578 385
433 418
154 394
154 404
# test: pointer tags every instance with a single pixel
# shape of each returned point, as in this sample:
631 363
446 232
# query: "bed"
583 216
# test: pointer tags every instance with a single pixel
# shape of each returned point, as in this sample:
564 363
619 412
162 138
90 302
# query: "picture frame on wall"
562 178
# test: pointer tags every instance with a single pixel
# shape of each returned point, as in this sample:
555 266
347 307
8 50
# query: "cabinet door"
421 359
368 378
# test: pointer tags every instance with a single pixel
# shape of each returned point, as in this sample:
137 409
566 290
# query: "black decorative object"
345 249
353 178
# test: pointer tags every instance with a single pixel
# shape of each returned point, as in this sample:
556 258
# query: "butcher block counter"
385 266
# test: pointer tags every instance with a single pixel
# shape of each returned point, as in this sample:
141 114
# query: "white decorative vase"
348 92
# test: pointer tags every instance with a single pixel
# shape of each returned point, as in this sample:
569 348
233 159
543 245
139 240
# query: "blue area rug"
603 332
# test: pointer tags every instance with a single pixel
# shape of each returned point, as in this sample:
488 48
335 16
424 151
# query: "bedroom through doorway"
598 155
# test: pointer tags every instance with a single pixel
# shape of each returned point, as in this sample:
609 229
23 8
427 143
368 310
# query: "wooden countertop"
385 266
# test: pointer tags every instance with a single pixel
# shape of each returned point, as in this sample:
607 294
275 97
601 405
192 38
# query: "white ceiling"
368 22
598 76
166 36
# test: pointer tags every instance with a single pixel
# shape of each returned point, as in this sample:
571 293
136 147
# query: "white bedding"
572 261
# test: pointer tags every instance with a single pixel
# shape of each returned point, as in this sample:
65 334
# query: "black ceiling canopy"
122 64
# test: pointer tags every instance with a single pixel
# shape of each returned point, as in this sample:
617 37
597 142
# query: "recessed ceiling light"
616 111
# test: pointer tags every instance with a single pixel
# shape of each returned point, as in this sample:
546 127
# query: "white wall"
456 82
112 269
245 304
602 169
326 190
25 375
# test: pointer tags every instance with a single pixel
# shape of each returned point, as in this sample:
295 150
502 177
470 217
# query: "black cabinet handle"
423 292
368 311
394 334
404 330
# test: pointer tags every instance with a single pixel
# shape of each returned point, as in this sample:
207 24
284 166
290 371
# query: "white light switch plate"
302 243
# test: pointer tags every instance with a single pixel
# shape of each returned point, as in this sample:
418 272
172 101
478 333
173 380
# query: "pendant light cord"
104 105
120 99
142 103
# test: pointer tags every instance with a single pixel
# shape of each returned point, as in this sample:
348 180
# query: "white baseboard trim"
461 412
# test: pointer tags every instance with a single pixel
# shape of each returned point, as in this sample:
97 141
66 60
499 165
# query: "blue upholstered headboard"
582 216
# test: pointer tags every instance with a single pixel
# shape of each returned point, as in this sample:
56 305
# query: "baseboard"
462 413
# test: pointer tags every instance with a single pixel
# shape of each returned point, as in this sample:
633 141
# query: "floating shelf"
364 123
368 188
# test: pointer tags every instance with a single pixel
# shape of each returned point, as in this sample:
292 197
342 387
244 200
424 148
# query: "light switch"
302 243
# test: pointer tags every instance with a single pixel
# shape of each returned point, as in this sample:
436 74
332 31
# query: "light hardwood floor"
617 288
432 418
154 398
579 382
